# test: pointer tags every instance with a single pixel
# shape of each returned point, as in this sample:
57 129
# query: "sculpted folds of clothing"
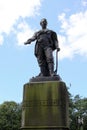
45 39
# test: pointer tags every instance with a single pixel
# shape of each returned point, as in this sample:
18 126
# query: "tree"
78 109
10 116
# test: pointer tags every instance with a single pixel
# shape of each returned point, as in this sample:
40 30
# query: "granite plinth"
45 106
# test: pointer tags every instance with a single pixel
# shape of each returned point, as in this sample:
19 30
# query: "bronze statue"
46 43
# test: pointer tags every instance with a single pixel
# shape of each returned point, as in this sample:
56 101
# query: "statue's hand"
58 49
27 42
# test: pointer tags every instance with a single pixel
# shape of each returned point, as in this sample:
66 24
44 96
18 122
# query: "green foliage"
78 108
10 116
85 122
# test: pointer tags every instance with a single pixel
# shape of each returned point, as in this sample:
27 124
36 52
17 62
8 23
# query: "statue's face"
43 23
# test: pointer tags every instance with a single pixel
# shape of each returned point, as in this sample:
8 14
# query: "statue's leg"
51 69
44 71
50 60
41 58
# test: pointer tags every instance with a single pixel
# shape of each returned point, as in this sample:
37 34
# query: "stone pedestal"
45 106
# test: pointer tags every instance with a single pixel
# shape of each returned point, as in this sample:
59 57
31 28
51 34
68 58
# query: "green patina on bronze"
45 106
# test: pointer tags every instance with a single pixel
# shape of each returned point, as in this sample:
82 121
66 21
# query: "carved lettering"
37 103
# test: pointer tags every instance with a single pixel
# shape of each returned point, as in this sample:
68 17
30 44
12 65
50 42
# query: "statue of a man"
46 43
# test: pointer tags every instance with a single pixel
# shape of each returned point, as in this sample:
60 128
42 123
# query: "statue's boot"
44 71
51 69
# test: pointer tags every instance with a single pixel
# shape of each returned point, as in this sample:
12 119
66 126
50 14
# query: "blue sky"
19 19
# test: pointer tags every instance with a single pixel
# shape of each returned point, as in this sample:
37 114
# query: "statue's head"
43 22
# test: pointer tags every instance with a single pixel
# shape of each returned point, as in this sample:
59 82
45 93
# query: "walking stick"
56 62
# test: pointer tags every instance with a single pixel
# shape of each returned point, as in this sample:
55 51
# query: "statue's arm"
57 45
56 42
33 38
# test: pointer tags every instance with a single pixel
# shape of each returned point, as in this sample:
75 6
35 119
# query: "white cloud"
12 10
25 33
74 32
65 50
